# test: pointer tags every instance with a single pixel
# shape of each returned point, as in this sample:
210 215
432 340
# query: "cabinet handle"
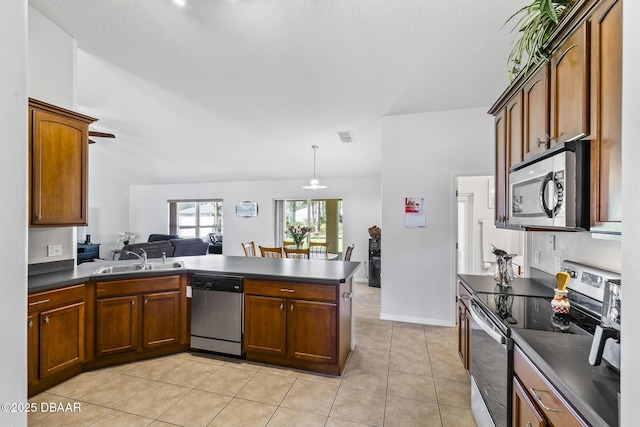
540 142
46 319
347 295
39 302
286 290
146 300
281 307
133 302
529 424
539 399
38 217
30 324
291 307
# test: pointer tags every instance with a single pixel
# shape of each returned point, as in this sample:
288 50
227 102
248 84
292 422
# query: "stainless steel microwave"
551 190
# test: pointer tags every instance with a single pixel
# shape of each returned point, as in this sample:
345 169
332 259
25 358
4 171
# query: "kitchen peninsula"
80 321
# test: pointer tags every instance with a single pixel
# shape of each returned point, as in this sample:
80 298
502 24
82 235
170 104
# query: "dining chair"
271 252
249 249
289 244
296 253
318 250
348 252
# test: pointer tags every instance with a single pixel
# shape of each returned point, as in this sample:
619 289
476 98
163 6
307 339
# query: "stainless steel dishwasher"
217 313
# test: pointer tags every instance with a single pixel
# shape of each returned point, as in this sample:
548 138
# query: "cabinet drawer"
291 290
137 286
48 299
543 394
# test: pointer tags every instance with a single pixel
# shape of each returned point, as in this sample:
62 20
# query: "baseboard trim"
419 320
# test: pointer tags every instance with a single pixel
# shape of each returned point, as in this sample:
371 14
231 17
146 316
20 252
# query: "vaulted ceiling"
220 90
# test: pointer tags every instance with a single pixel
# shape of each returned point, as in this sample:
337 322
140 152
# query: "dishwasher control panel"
221 283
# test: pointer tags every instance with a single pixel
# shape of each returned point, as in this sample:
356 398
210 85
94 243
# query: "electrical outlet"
54 250
552 242
536 257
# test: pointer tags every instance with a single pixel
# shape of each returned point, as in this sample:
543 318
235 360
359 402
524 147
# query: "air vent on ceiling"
345 136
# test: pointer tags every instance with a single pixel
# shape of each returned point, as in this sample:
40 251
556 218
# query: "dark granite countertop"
563 359
521 286
306 271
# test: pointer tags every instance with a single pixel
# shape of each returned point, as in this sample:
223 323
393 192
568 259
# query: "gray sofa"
171 248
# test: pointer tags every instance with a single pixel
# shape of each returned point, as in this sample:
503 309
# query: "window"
324 216
195 218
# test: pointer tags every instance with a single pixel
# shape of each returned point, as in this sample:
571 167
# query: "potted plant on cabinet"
535 24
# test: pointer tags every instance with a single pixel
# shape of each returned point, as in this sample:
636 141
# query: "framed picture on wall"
247 209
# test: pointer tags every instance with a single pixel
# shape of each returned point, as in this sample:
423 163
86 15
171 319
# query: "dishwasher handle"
486 327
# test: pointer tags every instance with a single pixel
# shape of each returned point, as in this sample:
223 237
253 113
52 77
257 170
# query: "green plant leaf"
549 10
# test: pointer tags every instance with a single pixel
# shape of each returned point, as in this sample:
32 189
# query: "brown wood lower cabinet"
464 327
299 325
117 325
138 314
56 335
97 324
535 401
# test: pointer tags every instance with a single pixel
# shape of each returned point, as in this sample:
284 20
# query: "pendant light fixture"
314 184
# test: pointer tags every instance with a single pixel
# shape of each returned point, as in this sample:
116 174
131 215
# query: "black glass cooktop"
529 312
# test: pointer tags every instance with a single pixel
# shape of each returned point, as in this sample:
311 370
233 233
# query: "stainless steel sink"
138 268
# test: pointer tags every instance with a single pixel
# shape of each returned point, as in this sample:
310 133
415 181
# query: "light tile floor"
399 375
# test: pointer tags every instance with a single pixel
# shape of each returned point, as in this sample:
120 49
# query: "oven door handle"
496 336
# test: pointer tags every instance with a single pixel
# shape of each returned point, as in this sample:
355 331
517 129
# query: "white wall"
13 209
361 208
422 154
630 381
51 78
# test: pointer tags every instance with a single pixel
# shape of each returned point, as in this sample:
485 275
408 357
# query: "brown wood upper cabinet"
606 112
570 88
502 170
536 112
57 165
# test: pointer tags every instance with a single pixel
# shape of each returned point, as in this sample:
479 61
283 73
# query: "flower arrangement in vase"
126 237
298 234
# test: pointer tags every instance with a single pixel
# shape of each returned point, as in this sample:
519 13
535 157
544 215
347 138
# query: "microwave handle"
496 336
543 201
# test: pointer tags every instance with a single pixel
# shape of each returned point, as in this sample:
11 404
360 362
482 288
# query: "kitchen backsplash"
574 246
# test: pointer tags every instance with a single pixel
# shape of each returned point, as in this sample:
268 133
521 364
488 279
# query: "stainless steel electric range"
498 311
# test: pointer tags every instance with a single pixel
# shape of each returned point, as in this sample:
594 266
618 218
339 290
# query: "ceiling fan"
99 135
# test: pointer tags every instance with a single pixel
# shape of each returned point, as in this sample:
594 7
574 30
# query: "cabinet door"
501 205
536 112
58 170
313 330
525 412
606 144
116 325
515 130
61 338
570 88
33 347
265 328
161 319
463 334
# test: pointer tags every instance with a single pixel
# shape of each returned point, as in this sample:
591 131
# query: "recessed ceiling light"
180 3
